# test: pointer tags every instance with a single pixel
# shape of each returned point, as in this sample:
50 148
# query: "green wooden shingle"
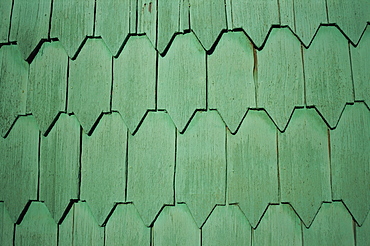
48 83
134 81
328 77
175 226
227 225
59 165
6 226
18 166
147 19
201 165
184 15
252 165
279 226
255 17
71 22
5 13
360 64
13 86
103 168
207 20
182 79
332 226
30 24
151 161
363 233
90 81
350 160
304 163
168 22
279 92
80 228
113 22
125 227
231 88
37 227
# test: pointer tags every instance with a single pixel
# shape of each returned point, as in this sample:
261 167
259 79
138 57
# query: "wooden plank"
227 225
30 24
103 168
360 62
18 165
328 78
151 156
47 83
252 165
231 88
182 78
207 20
37 227
6 226
59 165
351 17
113 22
90 81
13 86
201 165
304 164
71 22
5 13
279 226
147 19
255 17
175 226
279 92
80 227
134 81
125 227
350 160
168 22
332 226
363 233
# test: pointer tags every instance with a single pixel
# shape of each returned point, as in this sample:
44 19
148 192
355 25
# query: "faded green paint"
147 17
5 13
363 233
6 226
168 22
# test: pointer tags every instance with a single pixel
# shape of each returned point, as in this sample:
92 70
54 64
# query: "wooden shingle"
5 14
59 165
147 19
103 168
168 22
6 226
363 233
252 165
231 88
201 165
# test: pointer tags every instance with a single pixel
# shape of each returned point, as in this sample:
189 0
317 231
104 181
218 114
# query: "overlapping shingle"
363 233
6 226
5 14
147 19
168 22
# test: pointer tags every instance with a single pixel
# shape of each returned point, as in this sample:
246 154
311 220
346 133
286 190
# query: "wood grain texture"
231 88
350 160
304 164
175 226
328 77
279 92
168 22
279 226
80 228
113 22
227 225
255 17
125 227
6 226
134 81
71 22
332 226
363 233
13 86
48 84
37 227
59 165
103 169
360 63
18 165
207 20
5 13
90 81
252 165
147 19
151 162
182 78
201 165
30 24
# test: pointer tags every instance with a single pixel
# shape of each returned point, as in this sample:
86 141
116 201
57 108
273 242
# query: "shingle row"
206 165
28 23
278 78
